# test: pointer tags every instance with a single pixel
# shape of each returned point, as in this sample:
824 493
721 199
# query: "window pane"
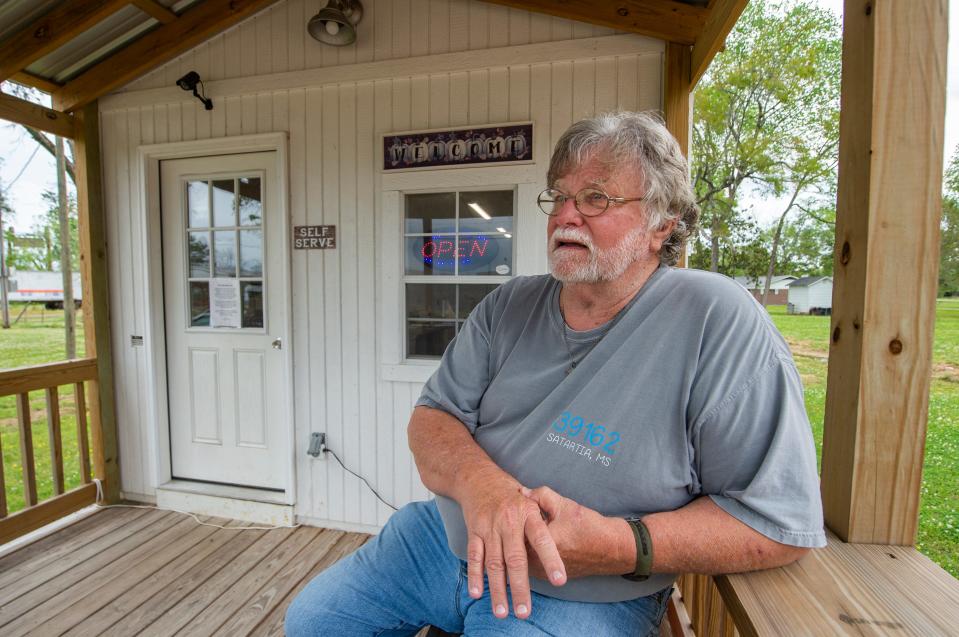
485 254
426 300
431 255
251 296
224 253
470 296
251 252
223 203
199 254
430 212
495 204
199 303
198 202
428 339
251 207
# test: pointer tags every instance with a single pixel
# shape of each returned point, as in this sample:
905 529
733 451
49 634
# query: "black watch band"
644 551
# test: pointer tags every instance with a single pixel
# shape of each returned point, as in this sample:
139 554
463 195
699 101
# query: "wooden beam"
723 15
663 19
52 30
96 297
22 522
886 262
677 98
36 116
155 10
35 81
27 461
193 27
36 377
677 94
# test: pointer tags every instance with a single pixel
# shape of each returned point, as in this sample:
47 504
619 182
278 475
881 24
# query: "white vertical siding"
276 41
334 132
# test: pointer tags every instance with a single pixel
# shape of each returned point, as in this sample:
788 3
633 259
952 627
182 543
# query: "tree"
949 231
767 115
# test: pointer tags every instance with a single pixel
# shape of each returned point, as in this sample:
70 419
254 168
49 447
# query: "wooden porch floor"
150 572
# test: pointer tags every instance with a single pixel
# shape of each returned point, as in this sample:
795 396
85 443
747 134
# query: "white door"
224 262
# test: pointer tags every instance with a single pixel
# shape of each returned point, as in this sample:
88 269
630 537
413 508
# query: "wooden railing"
81 374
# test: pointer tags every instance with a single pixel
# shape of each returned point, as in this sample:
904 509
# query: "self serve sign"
314 237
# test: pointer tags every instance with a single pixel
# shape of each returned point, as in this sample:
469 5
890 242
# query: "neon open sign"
472 251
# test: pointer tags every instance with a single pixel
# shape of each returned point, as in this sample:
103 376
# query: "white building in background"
810 295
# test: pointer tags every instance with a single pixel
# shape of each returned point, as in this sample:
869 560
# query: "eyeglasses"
589 201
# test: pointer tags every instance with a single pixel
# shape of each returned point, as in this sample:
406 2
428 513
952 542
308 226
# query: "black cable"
378 496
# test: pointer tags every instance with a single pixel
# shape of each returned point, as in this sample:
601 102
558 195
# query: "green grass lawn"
939 507
38 337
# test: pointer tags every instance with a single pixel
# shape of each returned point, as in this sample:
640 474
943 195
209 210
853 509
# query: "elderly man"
592 433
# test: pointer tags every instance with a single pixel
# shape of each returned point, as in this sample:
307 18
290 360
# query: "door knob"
277 343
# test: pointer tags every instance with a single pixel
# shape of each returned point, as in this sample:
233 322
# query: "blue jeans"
407 577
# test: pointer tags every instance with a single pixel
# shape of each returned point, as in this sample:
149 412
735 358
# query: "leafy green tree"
949 231
40 250
767 116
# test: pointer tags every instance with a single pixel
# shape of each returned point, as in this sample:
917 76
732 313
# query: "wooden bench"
861 589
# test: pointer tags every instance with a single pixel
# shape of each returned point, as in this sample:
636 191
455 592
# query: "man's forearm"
698 538
447 457
702 538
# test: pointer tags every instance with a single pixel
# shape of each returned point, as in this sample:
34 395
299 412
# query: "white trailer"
42 287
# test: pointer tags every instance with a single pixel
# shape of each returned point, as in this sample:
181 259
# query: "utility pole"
69 309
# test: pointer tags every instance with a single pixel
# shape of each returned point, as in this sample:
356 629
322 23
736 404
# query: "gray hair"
639 141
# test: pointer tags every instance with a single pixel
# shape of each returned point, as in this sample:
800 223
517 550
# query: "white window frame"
529 258
440 279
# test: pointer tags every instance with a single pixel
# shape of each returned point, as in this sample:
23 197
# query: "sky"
26 171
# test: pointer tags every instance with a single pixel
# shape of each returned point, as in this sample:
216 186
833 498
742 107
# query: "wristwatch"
644 551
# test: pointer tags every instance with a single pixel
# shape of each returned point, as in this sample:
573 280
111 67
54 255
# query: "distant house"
778 287
810 295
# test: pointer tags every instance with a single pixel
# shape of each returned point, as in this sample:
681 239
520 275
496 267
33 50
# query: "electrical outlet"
317 445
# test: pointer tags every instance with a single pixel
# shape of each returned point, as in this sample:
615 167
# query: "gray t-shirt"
689 391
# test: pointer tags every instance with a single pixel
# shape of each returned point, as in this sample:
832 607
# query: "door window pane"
470 296
432 212
251 206
224 253
198 203
223 203
199 254
426 300
486 211
485 255
199 303
428 339
251 252
251 297
431 255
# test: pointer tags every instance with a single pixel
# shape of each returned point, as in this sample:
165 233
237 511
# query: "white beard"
601 264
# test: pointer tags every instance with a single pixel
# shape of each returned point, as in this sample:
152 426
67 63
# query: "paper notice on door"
224 303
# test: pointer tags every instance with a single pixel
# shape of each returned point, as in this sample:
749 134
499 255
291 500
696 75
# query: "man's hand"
501 523
588 542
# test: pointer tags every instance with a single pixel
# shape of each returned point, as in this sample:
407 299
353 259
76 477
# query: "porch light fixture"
188 83
335 24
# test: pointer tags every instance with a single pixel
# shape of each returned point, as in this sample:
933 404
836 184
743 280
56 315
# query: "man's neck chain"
569 350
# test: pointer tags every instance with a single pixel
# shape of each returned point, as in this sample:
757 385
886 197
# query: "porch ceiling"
78 50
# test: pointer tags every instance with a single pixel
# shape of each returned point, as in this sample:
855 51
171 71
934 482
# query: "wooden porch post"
677 98
886 262
96 307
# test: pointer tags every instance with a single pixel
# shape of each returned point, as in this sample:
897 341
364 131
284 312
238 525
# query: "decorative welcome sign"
458 147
